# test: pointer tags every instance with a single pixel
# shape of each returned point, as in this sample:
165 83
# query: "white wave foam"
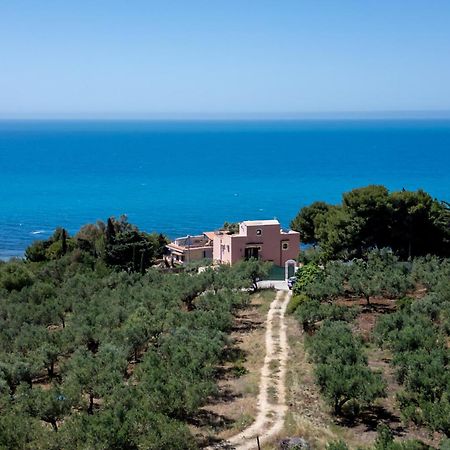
38 232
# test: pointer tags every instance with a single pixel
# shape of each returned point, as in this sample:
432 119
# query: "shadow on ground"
371 418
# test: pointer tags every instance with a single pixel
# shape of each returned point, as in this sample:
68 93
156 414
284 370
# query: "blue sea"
186 177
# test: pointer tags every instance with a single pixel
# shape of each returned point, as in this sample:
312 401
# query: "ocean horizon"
186 177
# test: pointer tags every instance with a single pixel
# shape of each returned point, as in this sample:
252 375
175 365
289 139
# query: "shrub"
36 251
15 276
337 445
341 368
238 370
404 302
306 275
294 303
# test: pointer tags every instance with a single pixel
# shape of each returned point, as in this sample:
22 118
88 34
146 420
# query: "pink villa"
261 239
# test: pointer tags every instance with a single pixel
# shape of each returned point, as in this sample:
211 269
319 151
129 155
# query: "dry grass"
307 415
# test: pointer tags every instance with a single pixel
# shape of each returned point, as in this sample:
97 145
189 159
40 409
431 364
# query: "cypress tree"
64 241
110 231
142 262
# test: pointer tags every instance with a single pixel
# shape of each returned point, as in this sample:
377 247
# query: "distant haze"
238 59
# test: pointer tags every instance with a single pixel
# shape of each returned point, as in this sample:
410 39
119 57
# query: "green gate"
276 273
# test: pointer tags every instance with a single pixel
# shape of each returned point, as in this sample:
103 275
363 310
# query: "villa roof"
210 234
183 248
260 222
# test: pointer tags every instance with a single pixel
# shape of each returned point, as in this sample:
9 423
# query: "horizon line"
232 116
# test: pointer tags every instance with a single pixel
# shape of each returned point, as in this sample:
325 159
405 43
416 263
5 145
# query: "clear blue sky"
142 57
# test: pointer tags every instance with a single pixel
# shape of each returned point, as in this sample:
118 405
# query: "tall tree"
410 223
308 219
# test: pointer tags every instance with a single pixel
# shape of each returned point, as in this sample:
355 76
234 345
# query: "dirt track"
271 406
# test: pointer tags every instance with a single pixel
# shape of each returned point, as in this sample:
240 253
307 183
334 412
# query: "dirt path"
271 405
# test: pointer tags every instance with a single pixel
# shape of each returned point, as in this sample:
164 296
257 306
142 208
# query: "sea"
186 177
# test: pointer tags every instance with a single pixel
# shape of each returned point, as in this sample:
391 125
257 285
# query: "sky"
170 58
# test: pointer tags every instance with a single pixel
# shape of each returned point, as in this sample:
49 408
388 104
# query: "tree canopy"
410 223
98 350
118 243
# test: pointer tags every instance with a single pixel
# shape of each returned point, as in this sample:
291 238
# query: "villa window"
258 232
285 245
